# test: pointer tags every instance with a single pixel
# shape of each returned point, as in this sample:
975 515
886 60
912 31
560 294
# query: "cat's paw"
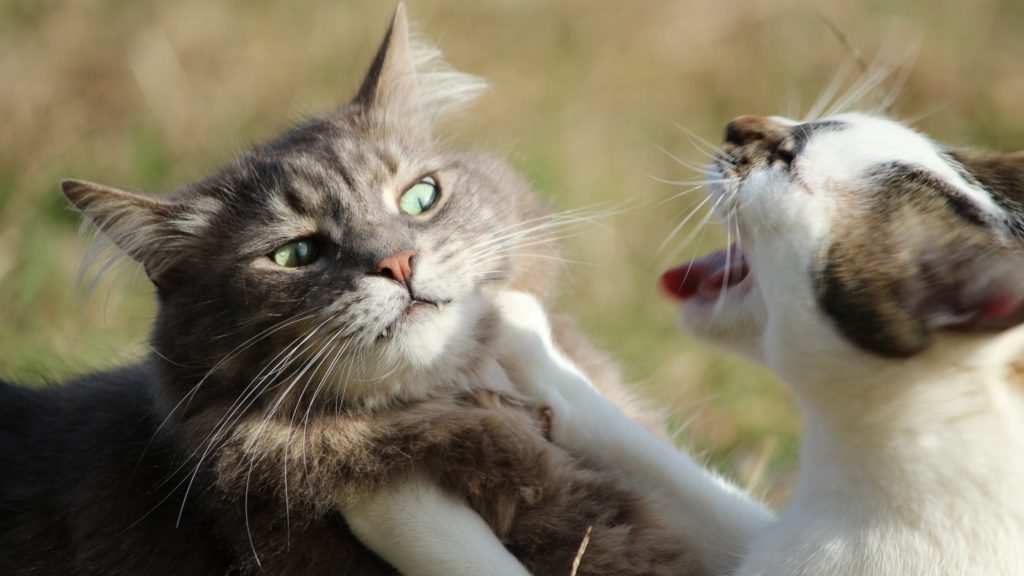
524 323
525 344
538 369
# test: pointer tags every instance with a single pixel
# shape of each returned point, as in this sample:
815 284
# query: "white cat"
881 277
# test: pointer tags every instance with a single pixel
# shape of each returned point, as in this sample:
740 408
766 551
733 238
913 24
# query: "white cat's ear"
144 227
896 304
408 78
981 294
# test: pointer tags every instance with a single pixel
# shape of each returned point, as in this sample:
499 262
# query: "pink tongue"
706 275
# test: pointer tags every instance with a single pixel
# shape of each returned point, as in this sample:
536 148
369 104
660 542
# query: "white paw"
522 316
525 345
536 366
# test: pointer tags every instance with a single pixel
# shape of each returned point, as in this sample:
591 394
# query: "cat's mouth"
419 303
417 306
709 277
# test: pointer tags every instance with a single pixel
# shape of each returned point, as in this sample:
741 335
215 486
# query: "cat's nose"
397 267
751 129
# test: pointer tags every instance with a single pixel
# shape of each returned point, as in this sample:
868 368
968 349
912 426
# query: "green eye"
295 254
420 197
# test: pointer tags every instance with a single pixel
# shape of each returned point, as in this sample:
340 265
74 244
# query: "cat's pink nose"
750 129
397 267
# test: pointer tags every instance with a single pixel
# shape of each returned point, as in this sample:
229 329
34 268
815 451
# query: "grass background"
150 95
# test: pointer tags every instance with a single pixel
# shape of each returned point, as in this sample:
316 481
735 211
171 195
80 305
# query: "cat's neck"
904 451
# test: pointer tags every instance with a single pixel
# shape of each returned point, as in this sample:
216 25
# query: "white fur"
714 517
909 466
423 531
840 157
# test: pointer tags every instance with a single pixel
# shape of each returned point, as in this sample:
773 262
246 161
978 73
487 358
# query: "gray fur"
273 392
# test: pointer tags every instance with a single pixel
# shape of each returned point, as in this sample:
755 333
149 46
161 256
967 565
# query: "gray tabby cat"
326 361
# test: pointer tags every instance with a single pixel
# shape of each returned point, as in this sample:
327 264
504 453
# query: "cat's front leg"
719 519
423 531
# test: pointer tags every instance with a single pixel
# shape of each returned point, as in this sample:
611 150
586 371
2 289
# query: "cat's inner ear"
408 80
147 228
984 293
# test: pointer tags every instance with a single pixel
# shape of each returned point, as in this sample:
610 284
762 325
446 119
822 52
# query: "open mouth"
707 277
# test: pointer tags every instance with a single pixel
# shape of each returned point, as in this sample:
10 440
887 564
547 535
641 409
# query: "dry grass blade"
579 553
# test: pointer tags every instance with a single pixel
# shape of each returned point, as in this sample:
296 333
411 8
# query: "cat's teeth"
384 334
440 306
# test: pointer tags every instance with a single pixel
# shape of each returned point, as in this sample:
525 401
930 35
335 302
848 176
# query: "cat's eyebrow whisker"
868 82
885 106
828 94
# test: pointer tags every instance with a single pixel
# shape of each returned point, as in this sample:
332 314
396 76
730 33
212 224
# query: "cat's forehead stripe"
869 142
891 175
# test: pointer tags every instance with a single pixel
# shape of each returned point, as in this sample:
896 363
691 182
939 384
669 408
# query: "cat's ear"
1000 173
896 305
145 227
980 294
410 81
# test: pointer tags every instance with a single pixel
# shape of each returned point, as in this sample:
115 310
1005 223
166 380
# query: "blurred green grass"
149 95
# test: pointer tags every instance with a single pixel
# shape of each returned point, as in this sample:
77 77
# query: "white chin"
733 319
436 337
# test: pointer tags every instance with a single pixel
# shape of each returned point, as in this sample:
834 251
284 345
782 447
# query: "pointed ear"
144 227
409 79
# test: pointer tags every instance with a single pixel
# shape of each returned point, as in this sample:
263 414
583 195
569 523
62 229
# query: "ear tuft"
144 227
409 77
